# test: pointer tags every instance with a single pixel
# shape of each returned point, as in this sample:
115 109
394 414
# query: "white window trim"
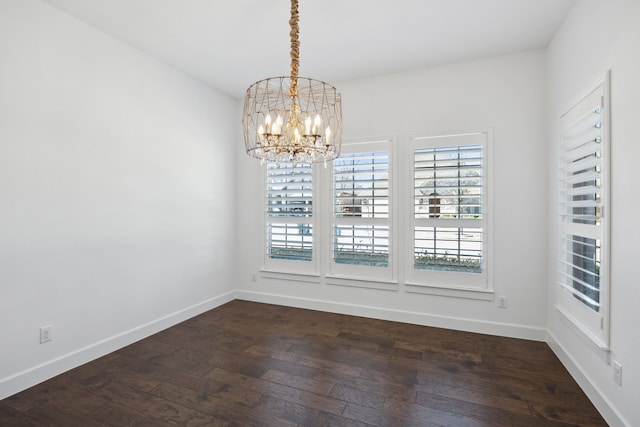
450 291
279 268
455 284
360 282
360 275
595 326
290 275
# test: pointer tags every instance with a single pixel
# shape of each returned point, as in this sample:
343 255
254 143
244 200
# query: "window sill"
360 282
450 291
288 275
584 332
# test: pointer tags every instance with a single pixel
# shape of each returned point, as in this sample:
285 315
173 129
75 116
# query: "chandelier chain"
295 48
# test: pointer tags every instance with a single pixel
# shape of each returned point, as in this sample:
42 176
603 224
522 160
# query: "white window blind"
448 208
581 204
583 181
289 212
361 208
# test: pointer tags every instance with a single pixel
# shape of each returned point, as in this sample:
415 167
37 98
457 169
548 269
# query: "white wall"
115 194
506 94
598 36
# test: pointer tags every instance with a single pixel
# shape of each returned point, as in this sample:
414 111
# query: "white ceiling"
231 44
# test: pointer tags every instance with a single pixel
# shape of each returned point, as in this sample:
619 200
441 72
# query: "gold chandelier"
292 119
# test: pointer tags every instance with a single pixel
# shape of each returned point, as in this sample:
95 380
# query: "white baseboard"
425 319
37 374
593 392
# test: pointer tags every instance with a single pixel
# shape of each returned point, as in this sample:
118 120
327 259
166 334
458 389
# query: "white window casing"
362 234
584 209
448 244
290 220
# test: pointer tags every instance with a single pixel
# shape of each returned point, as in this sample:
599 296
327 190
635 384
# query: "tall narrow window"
583 195
361 215
289 213
448 210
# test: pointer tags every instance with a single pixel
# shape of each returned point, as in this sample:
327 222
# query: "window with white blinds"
445 229
361 208
289 212
583 192
447 208
448 217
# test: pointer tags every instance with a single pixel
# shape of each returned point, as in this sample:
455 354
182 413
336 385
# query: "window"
355 241
583 195
448 215
360 210
289 216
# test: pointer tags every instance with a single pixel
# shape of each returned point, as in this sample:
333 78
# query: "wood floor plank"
117 415
308 384
405 406
305 416
57 412
166 410
10 417
481 394
357 396
252 364
159 374
125 376
380 417
229 405
294 395
306 361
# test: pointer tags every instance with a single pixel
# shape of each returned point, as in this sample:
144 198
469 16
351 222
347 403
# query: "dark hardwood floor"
246 364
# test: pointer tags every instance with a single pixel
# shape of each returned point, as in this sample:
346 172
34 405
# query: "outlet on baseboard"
46 334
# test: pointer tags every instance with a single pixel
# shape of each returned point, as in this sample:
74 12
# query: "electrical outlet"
617 373
254 277
46 334
502 301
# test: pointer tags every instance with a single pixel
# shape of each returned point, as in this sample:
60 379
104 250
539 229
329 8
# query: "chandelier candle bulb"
316 124
267 123
307 126
278 126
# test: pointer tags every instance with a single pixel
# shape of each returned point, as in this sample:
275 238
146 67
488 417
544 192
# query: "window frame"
453 283
354 274
291 266
593 324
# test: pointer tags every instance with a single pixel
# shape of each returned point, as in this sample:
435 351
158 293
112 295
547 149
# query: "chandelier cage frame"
292 119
